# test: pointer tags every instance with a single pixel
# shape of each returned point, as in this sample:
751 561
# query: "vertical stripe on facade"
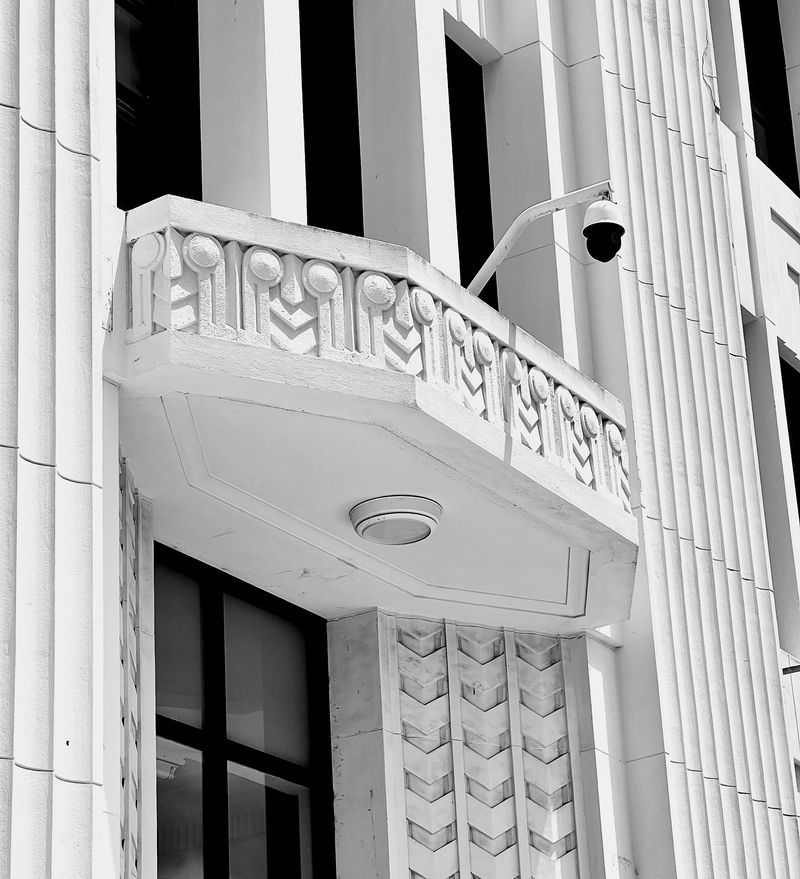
729 777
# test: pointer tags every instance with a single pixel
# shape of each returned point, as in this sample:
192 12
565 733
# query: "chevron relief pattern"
485 754
523 401
526 421
625 484
488 767
582 456
472 384
402 339
130 753
548 780
579 440
427 750
293 313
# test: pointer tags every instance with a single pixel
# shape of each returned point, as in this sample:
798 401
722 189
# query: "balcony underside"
254 459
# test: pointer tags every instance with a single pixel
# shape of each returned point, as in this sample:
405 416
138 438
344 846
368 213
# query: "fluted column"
9 203
727 768
76 492
31 814
49 489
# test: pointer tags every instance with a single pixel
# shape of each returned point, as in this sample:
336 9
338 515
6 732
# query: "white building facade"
235 245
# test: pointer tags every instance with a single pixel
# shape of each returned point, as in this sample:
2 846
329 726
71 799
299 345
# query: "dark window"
330 114
243 737
158 100
470 166
791 397
769 89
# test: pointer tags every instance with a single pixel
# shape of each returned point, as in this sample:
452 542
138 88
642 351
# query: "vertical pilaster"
790 30
365 746
77 491
777 478
542 94
31 811
406 150
600 776
250 89
9 279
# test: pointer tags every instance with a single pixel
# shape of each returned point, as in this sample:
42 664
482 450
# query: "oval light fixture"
396 520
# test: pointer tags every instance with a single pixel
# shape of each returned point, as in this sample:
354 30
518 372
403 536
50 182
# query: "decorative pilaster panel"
545 746
427 749
137 683
488 767
486 761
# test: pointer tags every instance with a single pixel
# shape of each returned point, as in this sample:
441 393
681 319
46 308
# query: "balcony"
276 375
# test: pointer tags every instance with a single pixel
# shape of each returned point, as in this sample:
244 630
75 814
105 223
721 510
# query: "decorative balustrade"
342 308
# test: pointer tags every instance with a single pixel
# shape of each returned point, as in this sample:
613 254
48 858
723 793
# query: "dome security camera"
603 230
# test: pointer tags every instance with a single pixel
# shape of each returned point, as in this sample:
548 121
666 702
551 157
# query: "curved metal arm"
536 212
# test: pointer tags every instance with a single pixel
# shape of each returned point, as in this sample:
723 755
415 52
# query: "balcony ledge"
376 373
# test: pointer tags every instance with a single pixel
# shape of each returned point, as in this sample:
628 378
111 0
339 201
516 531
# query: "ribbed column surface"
48 490
730 786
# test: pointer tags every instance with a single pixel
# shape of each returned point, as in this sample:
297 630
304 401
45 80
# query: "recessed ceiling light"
396 520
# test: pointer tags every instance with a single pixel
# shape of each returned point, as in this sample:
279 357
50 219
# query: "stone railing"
201 269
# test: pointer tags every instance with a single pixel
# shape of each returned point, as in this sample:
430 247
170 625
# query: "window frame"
211 740
472 177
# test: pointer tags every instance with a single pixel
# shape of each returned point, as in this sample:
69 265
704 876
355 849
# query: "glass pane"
179 793
265 670
179 690
267 826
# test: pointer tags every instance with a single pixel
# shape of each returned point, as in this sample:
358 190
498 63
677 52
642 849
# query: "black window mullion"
215 764
320 767
182 733
266 763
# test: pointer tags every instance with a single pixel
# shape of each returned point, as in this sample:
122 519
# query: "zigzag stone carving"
193 282
545 746
427 750
129 602
485 753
